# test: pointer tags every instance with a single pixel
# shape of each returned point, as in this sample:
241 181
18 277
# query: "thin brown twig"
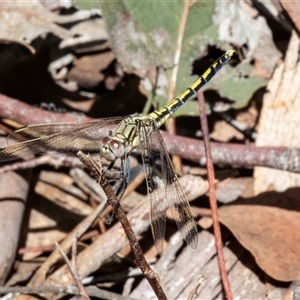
212 197
170 123
74 265
72 268
113 200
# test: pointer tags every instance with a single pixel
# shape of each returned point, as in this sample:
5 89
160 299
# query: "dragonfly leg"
125 170
120 185
117 183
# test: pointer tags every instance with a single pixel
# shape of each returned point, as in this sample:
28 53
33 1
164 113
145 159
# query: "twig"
73 290
26 114
246 156
72 267
212 197
39 277
199 280
282 158
121 216
170 123
50 248
56 162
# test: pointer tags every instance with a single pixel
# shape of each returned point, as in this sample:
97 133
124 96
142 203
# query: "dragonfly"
132 132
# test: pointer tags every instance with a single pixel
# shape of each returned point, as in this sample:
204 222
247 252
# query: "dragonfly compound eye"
111 149
105 140
117 148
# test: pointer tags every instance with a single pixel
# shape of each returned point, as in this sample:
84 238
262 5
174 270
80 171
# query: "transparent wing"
152 160
66 138
164 190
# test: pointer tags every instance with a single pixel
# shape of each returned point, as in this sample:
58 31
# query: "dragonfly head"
111 149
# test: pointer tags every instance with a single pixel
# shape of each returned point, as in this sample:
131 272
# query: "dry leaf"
87 69
293 10
241 25
230 189
24 22
269 227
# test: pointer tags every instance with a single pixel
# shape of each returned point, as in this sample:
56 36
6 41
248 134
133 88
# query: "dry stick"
113 200
87 236
282 158
72 268
60 160
199 280
40 275
67 289
26 114
170 123
237 155
212 196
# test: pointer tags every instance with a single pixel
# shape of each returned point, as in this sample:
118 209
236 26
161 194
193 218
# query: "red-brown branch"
212 197
282 158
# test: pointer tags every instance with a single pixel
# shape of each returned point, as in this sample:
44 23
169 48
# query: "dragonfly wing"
152 160
66 138
91 129
166 191
182 214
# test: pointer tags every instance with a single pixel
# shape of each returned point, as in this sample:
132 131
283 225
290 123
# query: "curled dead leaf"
269 227
22 23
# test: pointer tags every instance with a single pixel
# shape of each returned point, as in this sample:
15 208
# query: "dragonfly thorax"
112 149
